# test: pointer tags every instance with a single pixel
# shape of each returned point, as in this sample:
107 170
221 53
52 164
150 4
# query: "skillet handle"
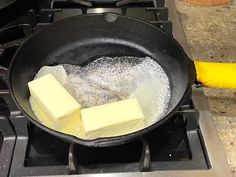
218 75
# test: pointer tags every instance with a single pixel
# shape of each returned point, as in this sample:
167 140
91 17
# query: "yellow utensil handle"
218 75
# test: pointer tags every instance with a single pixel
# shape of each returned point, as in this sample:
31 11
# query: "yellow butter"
43 118
53 105
112 119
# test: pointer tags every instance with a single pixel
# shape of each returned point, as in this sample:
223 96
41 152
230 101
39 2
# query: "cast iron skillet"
81 39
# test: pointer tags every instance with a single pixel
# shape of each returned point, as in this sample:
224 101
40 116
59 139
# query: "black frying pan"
81 39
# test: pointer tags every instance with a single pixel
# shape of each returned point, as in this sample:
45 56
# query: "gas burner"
187 145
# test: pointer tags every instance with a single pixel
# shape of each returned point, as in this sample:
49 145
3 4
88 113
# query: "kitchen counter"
211 35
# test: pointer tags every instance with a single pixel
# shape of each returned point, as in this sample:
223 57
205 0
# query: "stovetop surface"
27 150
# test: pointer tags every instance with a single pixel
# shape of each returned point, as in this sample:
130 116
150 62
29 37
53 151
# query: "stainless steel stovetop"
198 154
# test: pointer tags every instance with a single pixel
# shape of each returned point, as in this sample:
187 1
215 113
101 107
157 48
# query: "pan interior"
110 79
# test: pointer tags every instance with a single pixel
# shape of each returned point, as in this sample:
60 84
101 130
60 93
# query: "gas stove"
188 145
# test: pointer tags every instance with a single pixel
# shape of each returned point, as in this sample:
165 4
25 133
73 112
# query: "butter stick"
53 105
112 119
